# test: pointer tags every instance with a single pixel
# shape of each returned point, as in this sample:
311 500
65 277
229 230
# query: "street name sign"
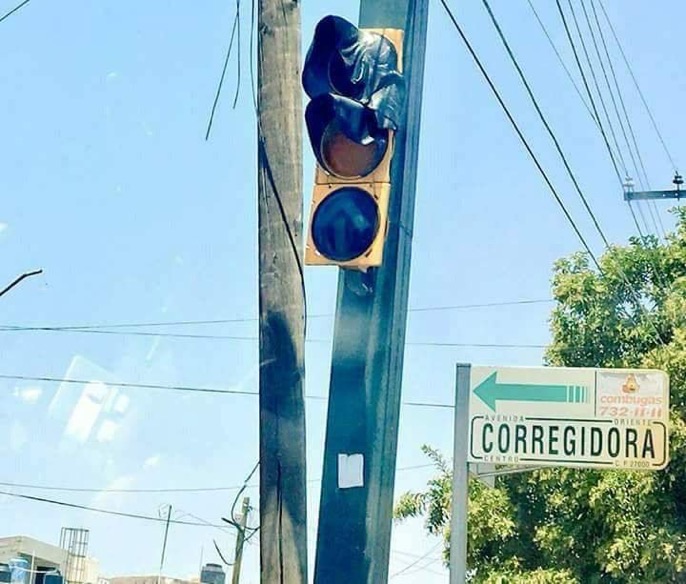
580 417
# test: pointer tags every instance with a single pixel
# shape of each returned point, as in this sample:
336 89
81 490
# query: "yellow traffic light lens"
345 224
346 158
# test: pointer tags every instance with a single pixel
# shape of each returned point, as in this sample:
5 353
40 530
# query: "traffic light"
353 77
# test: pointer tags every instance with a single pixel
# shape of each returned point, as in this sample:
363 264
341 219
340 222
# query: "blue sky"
108 185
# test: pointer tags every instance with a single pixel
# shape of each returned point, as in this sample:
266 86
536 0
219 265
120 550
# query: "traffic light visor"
345 224
344 136
358 64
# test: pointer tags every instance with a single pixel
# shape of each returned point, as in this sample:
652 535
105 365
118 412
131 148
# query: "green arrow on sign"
490 391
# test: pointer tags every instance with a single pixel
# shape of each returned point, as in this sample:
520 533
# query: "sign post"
458 518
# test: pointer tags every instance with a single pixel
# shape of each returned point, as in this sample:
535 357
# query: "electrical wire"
263 156
217 93
254 338
594 78
518 131
11 12
638 87
588 109
503 105
561 60
653 206
191 388
253 319
599 124
626 113
238 56
180 388
419 559
604 72
588 91
654 215
108 511
543 119
131 491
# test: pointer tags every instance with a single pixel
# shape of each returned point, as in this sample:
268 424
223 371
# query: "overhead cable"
543 119
561 60
11 12
190 389
599 124
541 170
638 87
108 511
159 490
626 113
518 131
438 308
642 178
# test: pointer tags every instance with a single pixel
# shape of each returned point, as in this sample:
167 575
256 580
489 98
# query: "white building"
43 557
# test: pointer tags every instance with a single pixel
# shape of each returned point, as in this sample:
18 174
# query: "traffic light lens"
346 158
345 224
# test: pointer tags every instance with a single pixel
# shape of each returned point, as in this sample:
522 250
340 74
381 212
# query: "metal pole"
458 521
356 509
32 574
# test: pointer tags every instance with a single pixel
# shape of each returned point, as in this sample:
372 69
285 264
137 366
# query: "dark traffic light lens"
346 158
345 224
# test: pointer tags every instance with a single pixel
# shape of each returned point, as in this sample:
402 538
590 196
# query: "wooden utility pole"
355 516
240 542
283 504
164 543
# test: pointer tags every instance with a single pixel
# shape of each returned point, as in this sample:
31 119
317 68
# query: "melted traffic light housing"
353 77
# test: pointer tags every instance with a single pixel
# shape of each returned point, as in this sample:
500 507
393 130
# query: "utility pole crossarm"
653 195
676 193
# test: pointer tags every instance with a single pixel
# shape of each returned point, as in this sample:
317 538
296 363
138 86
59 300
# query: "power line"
588 91
254 338
131 385
131 491
626 113
616 82
420 558
11 12
253 319
529 91
596 84
561 60
211 389
604 72
599 124
651 208
221 79
658 272
108 511
638 87
538 165
476 345
518 131
588 109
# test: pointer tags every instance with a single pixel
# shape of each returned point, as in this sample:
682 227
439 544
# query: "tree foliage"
565 525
